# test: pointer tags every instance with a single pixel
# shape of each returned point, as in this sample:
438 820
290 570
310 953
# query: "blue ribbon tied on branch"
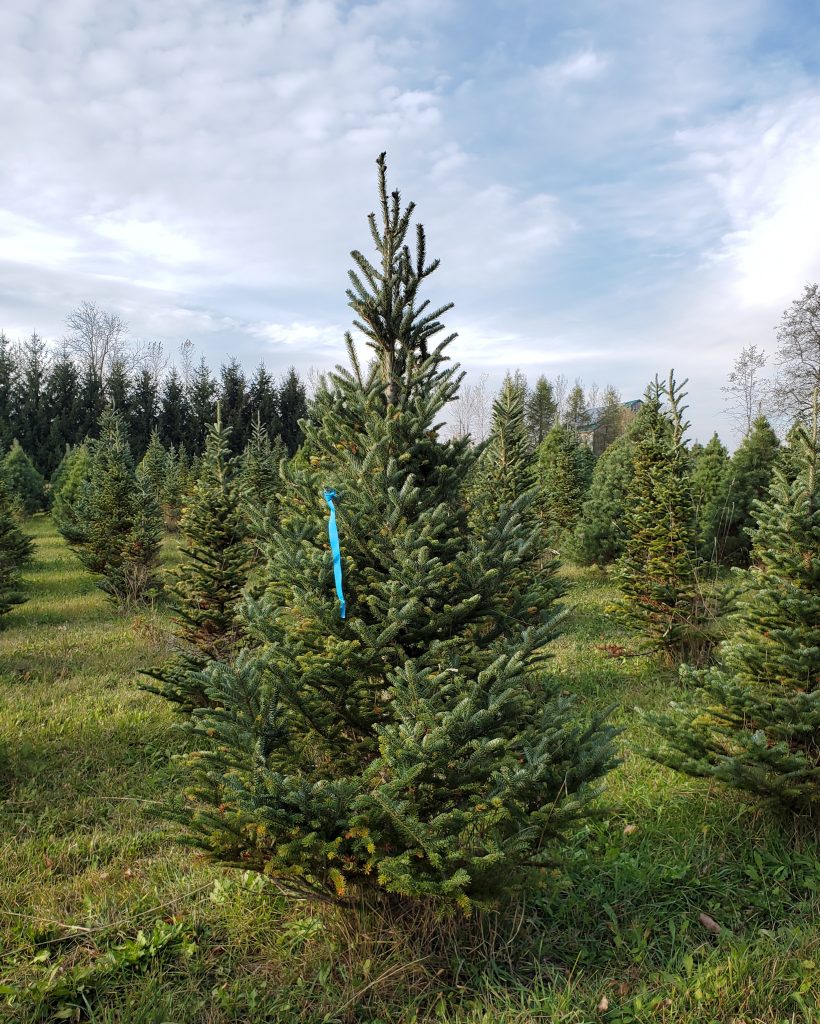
333 534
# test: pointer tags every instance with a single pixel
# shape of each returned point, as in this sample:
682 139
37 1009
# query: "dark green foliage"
173 411
15 552
32 410
263 401
600 534
114 523
206 586
727 519
144 411
658 573
754 722
118 389
259 479
292 409
202 406
564 470
8 388
91 403
420 745
234 405
152 471
62 397
541 410
22 479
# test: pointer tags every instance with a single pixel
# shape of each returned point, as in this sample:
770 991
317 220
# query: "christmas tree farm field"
684 903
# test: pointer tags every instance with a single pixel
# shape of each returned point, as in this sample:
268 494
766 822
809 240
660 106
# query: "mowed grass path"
105 916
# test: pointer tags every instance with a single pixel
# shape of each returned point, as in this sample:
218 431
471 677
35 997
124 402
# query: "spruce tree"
173 411
259 480
600 535
142 420
8 391
504 470
263 401
754 721
728 517
541 410
658 573
114 523
206 585
152 471
418 744
292 409
22 479
233 398
68 490
31 400
62 400
202 405
15 552
710 464
564 471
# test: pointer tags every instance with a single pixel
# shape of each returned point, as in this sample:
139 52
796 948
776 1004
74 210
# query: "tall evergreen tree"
263 401
259 469
173 411
610 421
504 470
417 743
144 412
754 721
658 572
206 585
68 490
8 391
32 404
15 552
292 408
541 410
710 466
202 405
152 470
564 472
92 402
600 533
62 401
23 480
118 389
233 397
728 517
575 416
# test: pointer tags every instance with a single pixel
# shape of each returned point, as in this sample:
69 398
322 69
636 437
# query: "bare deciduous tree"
186 358
560 390
746 389
471 412
798 355
96 337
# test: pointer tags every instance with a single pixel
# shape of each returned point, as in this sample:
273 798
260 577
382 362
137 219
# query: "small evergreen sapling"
206 586
658 574
754 721
22 479
421 746
15 552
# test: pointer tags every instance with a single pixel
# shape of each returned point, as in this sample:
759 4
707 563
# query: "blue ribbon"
333 533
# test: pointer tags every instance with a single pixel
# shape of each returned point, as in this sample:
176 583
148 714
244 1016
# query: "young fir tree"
15 552
259 480
754 722
541 410
728 518
414 740
153 468
175 485
206 586
22 479
658 572
113 522
564 471
69 486
709 467
600 536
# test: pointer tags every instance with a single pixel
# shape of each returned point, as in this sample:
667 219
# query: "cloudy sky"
614 186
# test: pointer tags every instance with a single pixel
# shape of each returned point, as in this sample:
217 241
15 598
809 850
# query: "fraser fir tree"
69 486
22 479
259 480
292 409
710 465
754 722
418 745
728 518
658 572
114 523
564 471
205 587
600 533
153 468
15 552
541 410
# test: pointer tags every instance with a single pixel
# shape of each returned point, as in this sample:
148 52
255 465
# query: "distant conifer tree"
22 479
15 552
564 471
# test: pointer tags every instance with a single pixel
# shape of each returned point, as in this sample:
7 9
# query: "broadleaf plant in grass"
421 746
754 720
205 587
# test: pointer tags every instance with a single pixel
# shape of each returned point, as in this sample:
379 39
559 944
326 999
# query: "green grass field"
105 916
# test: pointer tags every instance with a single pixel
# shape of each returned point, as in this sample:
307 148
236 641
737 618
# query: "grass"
106 917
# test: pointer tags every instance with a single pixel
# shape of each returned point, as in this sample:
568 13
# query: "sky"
614 187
